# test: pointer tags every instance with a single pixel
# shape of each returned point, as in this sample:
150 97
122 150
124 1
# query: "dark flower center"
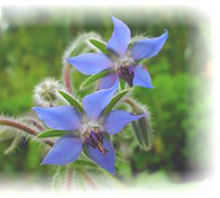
126 73
95 140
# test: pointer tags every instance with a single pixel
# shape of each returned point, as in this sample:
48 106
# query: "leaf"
71 101
122 84
93 78
100 45
52 133
115 100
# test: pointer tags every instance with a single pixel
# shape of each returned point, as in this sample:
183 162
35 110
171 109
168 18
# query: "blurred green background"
32 42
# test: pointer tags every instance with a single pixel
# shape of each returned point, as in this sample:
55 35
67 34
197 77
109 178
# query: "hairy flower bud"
45 93
142 127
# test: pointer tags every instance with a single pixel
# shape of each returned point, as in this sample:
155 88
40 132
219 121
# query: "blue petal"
148 47
142 77
118 119
107 81
106 161
90 63
66 150
64 118
95 103
120 37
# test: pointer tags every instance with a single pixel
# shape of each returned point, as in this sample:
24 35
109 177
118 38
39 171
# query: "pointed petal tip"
120 38
68 60
114 18
149 87
48 162
165 34
35 109
142 115
42 163
112 170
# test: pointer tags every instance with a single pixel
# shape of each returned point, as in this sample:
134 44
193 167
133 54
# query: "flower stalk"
67 77
35 123
23 127
89 179
69 176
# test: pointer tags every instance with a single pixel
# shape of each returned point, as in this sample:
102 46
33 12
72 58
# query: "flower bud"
45 93
142 127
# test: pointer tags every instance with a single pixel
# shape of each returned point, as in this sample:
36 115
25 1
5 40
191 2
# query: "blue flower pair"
89 130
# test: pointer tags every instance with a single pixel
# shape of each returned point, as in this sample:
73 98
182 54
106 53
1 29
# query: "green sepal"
122 84
100 45
115 100
93 78
71 101
52 133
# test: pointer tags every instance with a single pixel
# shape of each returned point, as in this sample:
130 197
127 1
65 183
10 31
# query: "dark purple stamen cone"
95 139
127 73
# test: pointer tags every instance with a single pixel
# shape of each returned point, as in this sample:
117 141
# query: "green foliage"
71 101
100 45
52 133
116 99
93 78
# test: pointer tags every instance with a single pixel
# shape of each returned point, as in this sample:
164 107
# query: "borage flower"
122 59
89 128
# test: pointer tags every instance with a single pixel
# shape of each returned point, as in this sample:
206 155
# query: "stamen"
95 139
126 73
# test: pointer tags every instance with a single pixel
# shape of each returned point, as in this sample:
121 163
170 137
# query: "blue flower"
123 59
89 129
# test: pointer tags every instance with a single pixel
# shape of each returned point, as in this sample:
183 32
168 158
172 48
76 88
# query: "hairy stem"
69 177
21 126
35 123
89 179
67 77
130 102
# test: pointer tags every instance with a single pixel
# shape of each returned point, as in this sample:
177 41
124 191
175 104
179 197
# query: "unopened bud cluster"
46 93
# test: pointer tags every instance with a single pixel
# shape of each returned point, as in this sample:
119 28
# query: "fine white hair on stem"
11 127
